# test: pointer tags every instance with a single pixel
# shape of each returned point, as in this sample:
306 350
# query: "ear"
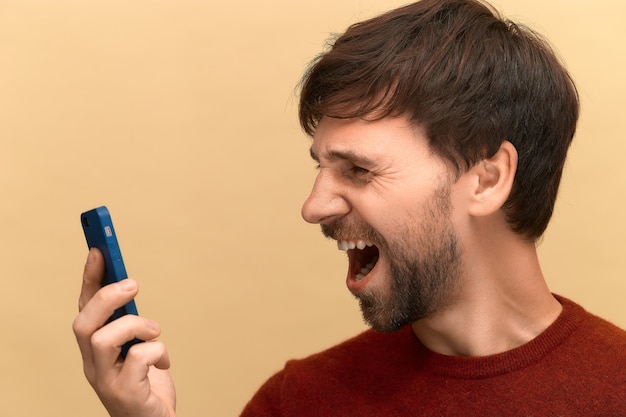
493 180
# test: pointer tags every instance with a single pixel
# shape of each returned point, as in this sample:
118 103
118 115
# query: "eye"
359 170
358 173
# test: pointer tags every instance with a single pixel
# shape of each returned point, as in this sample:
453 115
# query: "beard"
424 266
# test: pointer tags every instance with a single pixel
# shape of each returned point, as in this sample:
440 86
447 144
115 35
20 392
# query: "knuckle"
133 354
99 341
78 326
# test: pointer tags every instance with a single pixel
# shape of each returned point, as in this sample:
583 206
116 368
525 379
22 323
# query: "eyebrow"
347 155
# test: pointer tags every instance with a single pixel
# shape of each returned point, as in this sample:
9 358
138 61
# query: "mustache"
343 229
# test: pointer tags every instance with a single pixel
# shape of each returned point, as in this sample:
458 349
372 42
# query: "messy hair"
470 79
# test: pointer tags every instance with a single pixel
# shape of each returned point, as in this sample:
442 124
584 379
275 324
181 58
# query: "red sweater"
576 367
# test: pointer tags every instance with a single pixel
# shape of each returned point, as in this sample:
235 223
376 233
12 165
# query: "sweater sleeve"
267 400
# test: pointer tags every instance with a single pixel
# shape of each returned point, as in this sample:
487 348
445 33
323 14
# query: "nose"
326 202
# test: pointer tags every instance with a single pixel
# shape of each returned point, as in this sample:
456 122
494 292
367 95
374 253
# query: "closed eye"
349 161
359 174
359 170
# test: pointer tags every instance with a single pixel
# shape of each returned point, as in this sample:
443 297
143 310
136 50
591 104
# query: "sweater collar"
501 363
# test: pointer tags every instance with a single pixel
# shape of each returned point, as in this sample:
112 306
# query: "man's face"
386 199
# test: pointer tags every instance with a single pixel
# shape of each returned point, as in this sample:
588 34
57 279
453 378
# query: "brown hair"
468 77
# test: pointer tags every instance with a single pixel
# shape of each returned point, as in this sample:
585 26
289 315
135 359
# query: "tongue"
361 261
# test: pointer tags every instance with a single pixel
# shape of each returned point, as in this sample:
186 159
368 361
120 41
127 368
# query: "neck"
503 301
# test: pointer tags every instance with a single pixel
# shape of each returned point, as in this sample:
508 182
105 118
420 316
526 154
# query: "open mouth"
362 256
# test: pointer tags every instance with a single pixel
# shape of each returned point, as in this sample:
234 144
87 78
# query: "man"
441 132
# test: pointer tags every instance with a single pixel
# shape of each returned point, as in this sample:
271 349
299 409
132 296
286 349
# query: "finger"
146 363
139 379
163 386
107 342
97 311
144 355
102 305
93 273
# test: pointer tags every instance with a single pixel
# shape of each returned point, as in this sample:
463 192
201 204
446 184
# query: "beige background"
180 116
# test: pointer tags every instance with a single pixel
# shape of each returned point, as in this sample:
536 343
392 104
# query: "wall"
180 116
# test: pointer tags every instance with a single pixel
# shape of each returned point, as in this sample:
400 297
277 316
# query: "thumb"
93 273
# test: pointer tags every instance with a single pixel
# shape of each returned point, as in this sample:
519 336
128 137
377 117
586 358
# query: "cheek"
384 213
394 212
459 208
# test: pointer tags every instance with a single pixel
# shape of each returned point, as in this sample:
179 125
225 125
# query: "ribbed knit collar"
488 366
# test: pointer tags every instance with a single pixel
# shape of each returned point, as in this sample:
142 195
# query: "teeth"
360 244
345 245
366 270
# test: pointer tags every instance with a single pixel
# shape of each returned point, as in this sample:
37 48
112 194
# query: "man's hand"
139 385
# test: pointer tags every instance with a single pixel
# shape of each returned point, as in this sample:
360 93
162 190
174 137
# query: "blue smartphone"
100 233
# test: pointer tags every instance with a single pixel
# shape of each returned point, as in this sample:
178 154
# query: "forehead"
356 139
